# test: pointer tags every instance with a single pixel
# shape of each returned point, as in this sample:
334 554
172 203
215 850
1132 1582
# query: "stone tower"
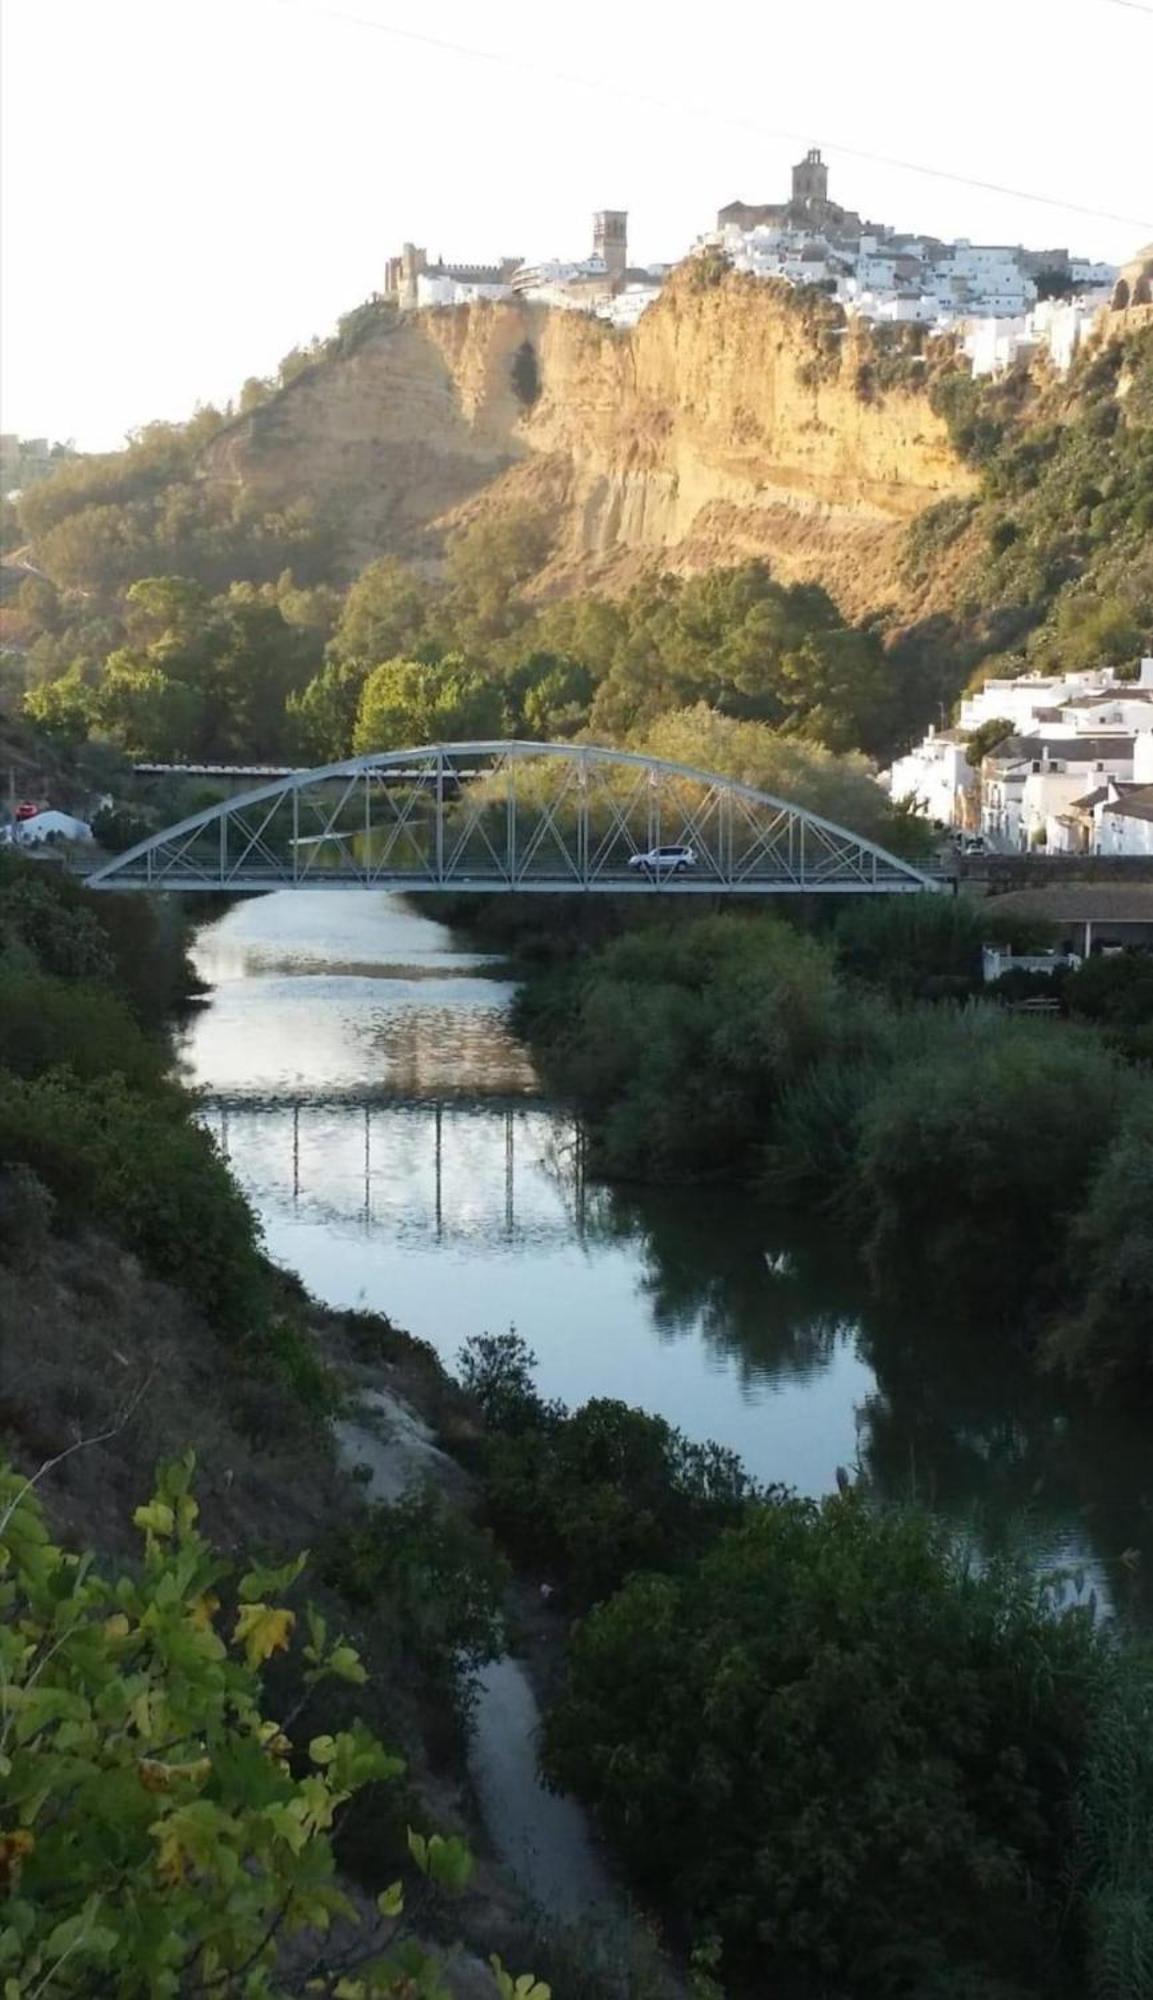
810 181
610 239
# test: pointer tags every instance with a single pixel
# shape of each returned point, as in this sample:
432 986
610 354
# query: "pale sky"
192 187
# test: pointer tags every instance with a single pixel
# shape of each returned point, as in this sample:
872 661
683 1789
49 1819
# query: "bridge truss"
500 817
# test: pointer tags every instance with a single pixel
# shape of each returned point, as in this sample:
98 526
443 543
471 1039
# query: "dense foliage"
738 1047
842 1751
843 1758
590 1495
160 1832
1052 562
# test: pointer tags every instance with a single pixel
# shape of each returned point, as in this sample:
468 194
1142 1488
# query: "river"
357 1068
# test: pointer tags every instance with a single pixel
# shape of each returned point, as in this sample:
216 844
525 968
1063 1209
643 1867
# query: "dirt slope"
735 420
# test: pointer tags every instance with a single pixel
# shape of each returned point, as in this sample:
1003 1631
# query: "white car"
664 861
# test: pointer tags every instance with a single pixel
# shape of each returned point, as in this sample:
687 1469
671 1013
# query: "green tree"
406 702
980 742
144 711
489 562
169 609
942 1165
552 695
385 616
64 709
840 788
321 718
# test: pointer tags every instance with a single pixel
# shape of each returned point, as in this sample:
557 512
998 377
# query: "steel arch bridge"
501 817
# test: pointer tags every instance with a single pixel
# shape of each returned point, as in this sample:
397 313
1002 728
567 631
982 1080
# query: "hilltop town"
1003 300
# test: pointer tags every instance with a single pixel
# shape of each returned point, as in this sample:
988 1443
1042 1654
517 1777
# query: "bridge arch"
509 816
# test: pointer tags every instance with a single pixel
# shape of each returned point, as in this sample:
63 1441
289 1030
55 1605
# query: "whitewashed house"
1028 781
937 780
1124 822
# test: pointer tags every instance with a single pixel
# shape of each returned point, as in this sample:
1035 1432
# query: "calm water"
360 1075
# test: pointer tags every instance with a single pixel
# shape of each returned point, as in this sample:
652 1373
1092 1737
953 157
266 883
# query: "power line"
1131 6
631 95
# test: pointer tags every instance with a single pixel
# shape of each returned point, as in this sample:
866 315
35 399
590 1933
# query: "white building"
626 308
1068 739
1029 782
1032 699
1056 326
937 780
440 289
1123 822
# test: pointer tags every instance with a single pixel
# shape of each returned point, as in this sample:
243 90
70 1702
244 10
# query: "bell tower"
610 239
810 181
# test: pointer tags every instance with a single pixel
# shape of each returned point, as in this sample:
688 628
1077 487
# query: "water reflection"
360 1074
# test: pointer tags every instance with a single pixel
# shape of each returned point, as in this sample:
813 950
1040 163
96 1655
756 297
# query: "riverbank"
989 1165
643 1534
140 1320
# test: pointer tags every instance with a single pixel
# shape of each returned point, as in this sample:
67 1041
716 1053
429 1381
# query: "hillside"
737 419
505 519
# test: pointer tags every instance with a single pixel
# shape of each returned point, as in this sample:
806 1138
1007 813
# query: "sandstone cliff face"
727 424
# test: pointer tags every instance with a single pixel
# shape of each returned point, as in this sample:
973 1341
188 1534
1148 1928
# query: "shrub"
842 1750
1115 1831
442 1575
683 1037
593 1495
48 1023
1109 1339
159 1833
139 1166
496 1369
26 1212
923 947
972 1161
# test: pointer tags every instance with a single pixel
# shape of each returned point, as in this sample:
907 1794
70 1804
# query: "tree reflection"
962 1421
719 1266
959 1418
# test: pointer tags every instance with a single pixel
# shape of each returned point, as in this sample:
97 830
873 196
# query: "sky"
190 188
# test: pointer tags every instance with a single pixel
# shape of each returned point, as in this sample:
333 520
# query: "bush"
924 947
496 1369
49 1023
973 1161
1108 1341
1115 1831
591 1496
441 1574
158 1832
836 1746
139 1166
681 1039
26 1212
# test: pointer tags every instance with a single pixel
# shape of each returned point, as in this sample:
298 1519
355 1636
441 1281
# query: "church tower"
610 239
810 181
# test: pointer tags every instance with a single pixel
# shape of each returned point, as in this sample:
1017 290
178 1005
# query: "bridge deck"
252 882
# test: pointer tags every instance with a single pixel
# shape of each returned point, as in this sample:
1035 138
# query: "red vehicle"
26 809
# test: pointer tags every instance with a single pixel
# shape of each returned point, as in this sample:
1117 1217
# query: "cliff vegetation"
525 521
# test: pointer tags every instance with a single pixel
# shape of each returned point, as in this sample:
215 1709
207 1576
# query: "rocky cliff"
737 419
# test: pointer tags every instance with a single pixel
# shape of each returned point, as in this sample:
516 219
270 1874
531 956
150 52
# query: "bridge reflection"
447 1168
